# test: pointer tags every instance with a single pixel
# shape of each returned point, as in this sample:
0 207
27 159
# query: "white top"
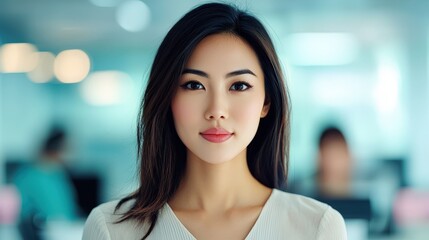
284 216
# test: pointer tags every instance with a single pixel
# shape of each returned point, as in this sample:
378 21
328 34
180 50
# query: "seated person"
334 164
45 187
332 178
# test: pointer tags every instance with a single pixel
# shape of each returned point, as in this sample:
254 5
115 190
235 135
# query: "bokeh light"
133 15
44 71
312 49
104 87
17 58
71 66
105 3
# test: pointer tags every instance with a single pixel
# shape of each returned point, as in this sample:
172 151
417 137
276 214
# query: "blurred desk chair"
87 188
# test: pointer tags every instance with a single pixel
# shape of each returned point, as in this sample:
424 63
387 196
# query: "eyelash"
187 85
242 83
191 85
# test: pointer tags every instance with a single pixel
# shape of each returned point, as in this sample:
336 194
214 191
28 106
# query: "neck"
218 187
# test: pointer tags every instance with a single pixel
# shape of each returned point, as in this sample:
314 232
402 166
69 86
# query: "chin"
217 159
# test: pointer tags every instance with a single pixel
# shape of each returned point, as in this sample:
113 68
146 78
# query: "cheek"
250 106
248 112
184 110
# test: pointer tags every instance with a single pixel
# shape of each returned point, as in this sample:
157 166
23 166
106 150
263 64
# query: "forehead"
223 52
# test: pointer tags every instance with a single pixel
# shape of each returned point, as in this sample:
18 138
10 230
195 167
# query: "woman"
213 137
335 164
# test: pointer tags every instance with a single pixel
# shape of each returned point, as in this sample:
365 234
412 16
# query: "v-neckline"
255 225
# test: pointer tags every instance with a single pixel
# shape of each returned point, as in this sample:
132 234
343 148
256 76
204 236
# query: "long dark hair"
161 153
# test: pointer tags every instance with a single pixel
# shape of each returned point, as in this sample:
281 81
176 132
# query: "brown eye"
192 85
240 86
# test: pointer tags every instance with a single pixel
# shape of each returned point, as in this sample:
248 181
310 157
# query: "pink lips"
216 135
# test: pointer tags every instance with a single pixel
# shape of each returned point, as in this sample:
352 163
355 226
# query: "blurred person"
334 164
336 180
9 209
46 191
213 140
332 177
9 205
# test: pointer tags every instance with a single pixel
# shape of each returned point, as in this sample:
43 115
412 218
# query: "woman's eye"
192 85
240 86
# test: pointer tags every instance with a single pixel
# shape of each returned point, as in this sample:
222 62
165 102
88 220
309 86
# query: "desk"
412 232
63 230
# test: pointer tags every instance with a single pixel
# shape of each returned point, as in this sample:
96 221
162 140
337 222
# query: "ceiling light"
71 66
17 58
44 71
309 49
133 15
104 87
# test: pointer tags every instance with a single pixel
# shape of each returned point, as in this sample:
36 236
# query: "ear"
265 110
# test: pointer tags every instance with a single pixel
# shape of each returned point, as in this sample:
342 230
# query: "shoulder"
295 202
24 171
103 223
25 177
307 217
107 210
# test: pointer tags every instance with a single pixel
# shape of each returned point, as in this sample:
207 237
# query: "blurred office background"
361 65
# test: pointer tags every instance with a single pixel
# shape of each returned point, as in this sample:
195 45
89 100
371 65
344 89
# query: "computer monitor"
356 213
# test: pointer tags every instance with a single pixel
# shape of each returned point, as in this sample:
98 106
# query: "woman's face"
220 99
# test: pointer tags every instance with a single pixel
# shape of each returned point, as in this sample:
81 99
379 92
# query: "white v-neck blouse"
284 216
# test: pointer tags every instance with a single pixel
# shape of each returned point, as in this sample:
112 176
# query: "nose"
216 107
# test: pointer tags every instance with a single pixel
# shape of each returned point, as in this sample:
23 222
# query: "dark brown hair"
161 153
330 134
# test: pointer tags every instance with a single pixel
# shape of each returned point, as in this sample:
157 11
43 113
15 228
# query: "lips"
216 135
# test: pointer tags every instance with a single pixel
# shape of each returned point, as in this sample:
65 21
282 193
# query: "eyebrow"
195 71
231 74
240 72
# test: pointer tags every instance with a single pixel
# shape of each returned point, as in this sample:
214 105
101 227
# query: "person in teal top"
47 193
46 189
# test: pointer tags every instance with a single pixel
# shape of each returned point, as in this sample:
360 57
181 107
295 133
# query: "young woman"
213 138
